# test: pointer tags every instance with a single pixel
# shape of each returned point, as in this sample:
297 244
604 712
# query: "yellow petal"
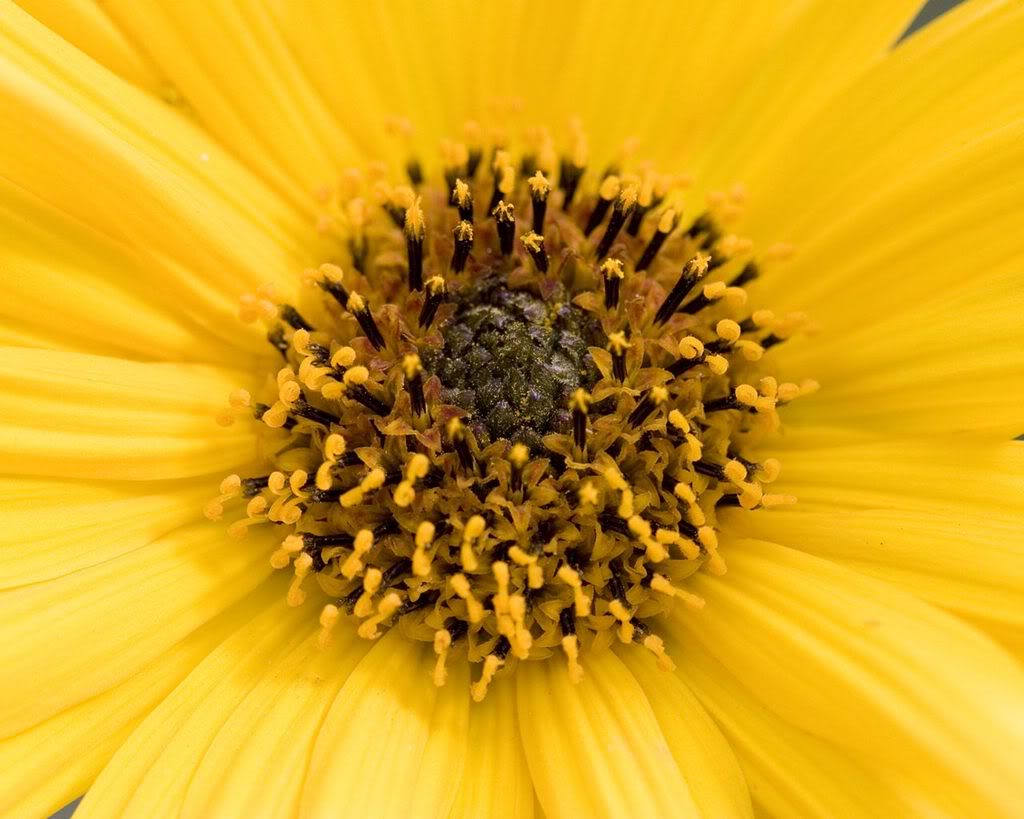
54 762
52 528
595 748
392 744
869 668
790 772
67 286
960 77
74 415
944 522
126 164
825 46
150 773
496 781
257 761
218 54
698 747
68 639
86 25
948 366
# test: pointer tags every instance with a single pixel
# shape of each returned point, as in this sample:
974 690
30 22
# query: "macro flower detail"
505 447
464 410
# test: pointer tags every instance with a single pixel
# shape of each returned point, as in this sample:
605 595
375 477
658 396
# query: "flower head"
503 512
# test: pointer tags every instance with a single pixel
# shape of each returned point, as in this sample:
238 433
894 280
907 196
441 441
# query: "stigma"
503 419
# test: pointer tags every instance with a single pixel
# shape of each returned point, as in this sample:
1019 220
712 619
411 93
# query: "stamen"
463 234
624 205
534 243
692 273
666 225
612 273
437 292
505 215
540 188
415 230
606 194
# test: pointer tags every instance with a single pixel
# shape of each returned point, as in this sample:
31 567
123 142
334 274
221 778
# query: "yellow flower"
854 653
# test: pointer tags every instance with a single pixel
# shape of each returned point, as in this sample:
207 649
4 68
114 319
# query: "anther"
570 644
292 318
329 278
652 398
704 226
462 199
437 292
692 273
358 307
415 230
413 369
579 405
518 456
624 205
749 272
463 235
505 215
457 436
612 273
472 532
420 558
534 244
606 194
417 468
540 189
666 224
415 171
618 344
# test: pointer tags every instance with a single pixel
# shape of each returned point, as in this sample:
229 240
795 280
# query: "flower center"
507 425
512 359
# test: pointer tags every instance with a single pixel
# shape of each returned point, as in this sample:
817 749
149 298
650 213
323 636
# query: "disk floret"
507 431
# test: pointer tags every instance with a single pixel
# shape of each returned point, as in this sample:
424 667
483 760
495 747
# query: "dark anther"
728 402
437 292
463 233
569 181
704 224
579 404
337 290
682 365
358 392
534 244
303 409
567 621
696 305
312 541
386 529
505 215
615 581
624 205
456 628
415 171
290 315
611 522
473 161
462 199
540 188
278 341
770 341
501 648
428 598
716 471
637 219
653 246
396 571
361 310
457 435
749 272
348 602
611 272
727 500
414 383
396 213
642 409
325 495
691 274
253 486
414 233
258 411
597 214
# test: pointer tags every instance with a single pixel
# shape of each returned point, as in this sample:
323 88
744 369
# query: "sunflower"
634 435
